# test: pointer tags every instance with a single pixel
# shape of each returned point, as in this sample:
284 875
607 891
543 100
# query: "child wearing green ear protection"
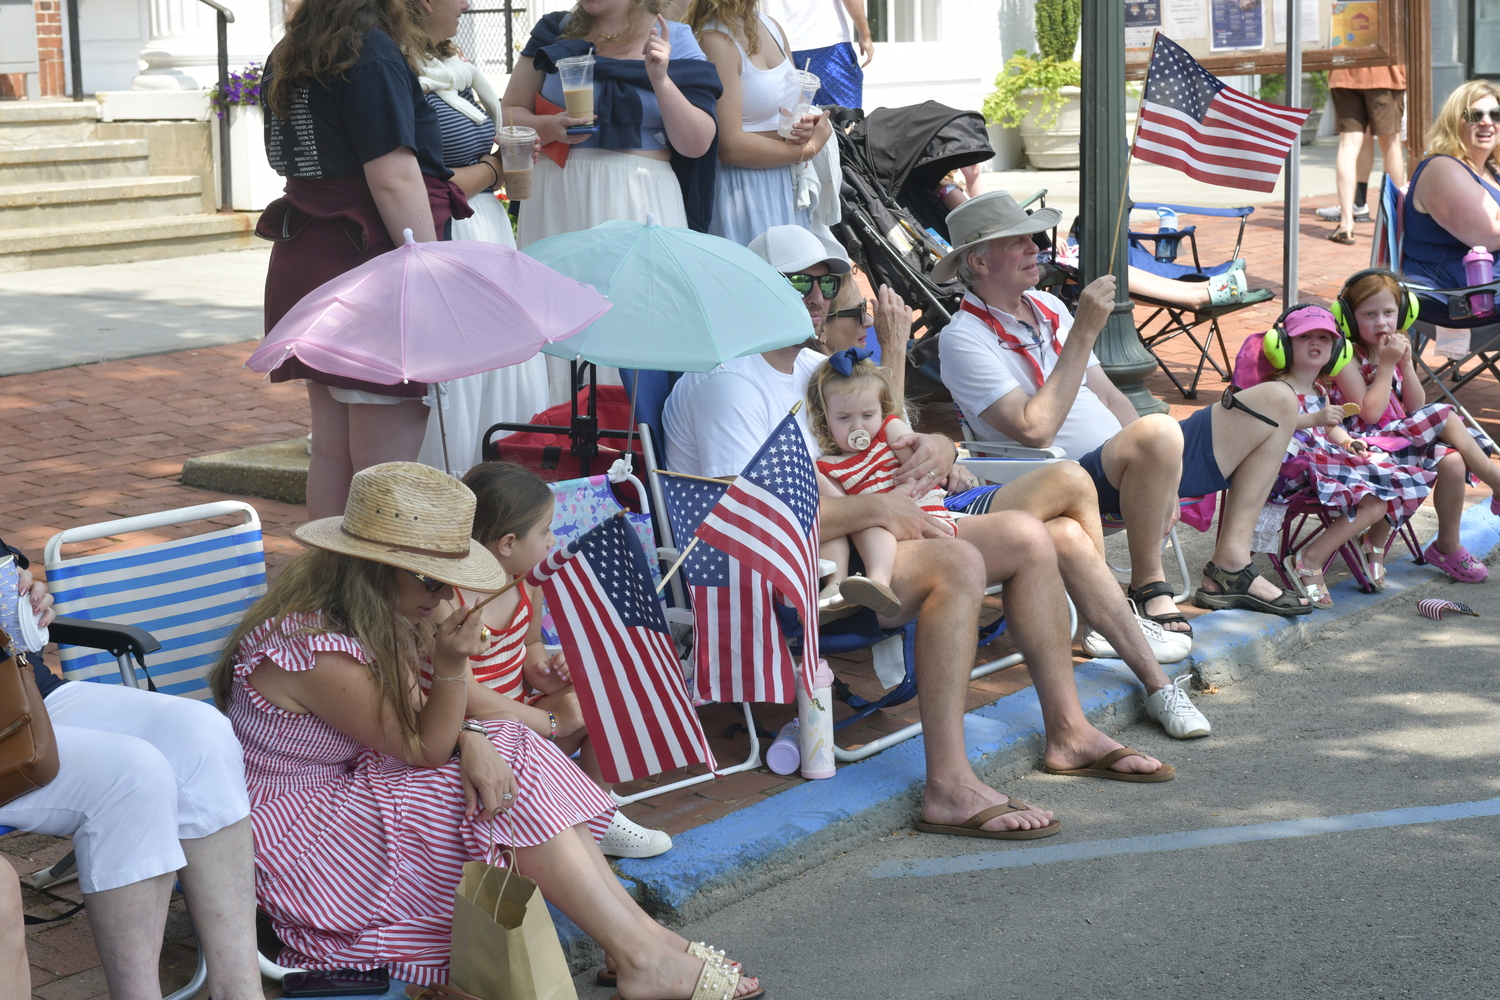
1345 473
1374 310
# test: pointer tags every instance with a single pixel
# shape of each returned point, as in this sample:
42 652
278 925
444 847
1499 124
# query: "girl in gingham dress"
368 798
1393 409
517 678
1345 473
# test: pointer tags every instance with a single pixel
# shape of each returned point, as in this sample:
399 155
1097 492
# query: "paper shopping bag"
504 944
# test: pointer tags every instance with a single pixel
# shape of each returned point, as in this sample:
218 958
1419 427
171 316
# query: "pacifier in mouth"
859 439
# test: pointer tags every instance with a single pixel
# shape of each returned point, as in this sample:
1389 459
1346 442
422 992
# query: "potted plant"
1039 92
255 185
1314 95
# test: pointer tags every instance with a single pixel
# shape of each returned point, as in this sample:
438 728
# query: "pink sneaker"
1495 505
1458 564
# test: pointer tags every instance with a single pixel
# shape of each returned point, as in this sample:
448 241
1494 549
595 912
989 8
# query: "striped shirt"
874 471
464 141
499 666
358 855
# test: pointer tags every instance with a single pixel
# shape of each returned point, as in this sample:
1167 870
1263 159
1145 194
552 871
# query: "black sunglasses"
829 283
858 313
1474 115
433 586
1231 403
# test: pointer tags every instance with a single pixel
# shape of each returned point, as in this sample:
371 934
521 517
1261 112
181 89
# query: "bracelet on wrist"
495 173
552 721
461 677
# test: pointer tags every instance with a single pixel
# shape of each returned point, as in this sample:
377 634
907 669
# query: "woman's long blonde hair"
826 379
581 22
731 14
1445 136
356 598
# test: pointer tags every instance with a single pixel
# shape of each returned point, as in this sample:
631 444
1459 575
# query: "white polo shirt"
716 421
978 370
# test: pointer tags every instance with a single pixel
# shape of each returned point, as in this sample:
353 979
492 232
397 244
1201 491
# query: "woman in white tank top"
753 188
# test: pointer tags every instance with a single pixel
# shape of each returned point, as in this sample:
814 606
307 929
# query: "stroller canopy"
911 149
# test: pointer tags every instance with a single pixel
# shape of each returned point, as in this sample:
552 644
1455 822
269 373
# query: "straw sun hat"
991 216
414 517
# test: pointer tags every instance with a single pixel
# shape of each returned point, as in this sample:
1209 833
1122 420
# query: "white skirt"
506 395
750 200
597 185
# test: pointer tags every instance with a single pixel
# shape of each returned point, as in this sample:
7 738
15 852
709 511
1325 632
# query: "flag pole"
684 475
673 568
1291 204
1130 158
513 581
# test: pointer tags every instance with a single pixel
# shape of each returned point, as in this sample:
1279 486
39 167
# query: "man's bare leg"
1144 462
1058 489
1018 552
1250 452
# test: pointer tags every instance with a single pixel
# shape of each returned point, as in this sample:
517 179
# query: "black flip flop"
1150 592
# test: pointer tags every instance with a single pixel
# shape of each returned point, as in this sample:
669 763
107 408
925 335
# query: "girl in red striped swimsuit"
853 412
517 679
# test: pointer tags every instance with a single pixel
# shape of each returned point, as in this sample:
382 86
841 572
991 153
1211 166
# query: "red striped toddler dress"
499 666
358 855
874 471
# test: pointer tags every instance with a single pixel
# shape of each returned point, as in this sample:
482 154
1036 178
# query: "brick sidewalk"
108 440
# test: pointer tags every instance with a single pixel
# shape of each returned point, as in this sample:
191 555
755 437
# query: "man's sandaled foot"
1102 768
1154 602
974 825
1235 590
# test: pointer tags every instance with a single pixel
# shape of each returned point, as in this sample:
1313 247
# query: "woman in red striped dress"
366 798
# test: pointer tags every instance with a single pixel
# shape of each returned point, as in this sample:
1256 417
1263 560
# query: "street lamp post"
1101 186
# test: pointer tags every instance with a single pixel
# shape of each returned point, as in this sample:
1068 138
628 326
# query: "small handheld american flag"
620 654
738 650
1192 121
1433 607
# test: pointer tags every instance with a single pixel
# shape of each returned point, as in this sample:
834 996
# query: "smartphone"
336 983
583 129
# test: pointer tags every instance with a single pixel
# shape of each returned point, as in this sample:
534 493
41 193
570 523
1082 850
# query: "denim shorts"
1200 469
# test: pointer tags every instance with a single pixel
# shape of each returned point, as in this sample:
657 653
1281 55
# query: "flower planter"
254 184
1053 146
1006 142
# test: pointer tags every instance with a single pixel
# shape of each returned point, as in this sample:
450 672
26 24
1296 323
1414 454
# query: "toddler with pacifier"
853 413
515 677
1374 310
1345 473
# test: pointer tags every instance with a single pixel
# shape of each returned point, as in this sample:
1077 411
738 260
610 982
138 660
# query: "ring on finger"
506 796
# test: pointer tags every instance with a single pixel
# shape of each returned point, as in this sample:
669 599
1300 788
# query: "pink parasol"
429 312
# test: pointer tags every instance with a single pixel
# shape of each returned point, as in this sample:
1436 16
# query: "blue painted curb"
730 858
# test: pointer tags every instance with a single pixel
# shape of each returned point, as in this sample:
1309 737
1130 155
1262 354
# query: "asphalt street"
1396 713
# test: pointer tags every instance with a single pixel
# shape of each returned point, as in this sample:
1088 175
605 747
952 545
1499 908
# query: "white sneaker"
1168 647
1176 712
1361 213
626 839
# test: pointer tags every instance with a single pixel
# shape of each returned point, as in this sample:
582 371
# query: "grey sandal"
1236 594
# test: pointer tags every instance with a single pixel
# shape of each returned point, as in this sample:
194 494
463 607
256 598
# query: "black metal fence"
491 36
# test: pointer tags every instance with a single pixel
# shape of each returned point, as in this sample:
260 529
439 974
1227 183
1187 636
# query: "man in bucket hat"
1023 371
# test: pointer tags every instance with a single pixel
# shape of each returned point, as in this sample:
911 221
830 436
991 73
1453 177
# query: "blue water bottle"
1166 222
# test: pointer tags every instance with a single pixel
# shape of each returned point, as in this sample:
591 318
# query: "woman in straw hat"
367 800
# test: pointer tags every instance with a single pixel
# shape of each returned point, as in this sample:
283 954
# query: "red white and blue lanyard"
1014 343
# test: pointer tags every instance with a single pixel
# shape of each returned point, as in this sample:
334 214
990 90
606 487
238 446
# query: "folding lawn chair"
1305 519
1170 320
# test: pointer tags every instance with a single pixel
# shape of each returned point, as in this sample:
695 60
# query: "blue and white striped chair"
188 592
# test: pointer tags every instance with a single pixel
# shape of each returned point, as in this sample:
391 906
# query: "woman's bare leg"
128 924
219 886
385 432
328 469
15 969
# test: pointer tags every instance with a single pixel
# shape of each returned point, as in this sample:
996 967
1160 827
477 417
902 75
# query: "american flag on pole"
768 520
620 654
738 649
1191 121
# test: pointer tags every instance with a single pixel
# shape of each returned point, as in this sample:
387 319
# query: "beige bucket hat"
991 216
414 517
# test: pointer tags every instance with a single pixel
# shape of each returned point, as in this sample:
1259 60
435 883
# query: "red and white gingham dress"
358 855
874 471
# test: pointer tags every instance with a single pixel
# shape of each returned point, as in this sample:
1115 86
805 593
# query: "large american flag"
768 520
738 650
1191 121
620 654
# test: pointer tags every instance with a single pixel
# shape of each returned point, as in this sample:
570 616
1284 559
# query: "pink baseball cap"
1308 319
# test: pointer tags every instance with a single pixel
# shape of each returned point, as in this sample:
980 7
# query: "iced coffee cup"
796 99
577 75
516 144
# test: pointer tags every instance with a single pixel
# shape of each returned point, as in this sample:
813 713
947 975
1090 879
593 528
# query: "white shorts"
139 773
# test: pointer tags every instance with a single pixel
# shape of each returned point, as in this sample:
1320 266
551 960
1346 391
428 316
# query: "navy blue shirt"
335 127
46 680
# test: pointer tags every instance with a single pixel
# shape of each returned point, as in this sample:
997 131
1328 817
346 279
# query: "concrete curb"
724 861
276 471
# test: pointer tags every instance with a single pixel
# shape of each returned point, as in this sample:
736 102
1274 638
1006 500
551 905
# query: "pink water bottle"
1479 269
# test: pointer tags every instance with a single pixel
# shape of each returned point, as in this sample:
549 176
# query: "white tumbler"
815 712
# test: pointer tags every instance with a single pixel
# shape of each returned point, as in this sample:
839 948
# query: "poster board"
1249 36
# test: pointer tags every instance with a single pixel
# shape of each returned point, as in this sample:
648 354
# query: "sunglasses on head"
433 586
1474 115
828 283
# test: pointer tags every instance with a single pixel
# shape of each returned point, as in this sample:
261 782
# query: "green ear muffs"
1277 345
1343 310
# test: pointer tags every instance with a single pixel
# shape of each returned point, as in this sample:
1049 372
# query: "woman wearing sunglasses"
1453 203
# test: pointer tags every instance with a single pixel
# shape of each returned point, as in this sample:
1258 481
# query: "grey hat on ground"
793 249
991 216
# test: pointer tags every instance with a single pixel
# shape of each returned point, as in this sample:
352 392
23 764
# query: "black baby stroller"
893 222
